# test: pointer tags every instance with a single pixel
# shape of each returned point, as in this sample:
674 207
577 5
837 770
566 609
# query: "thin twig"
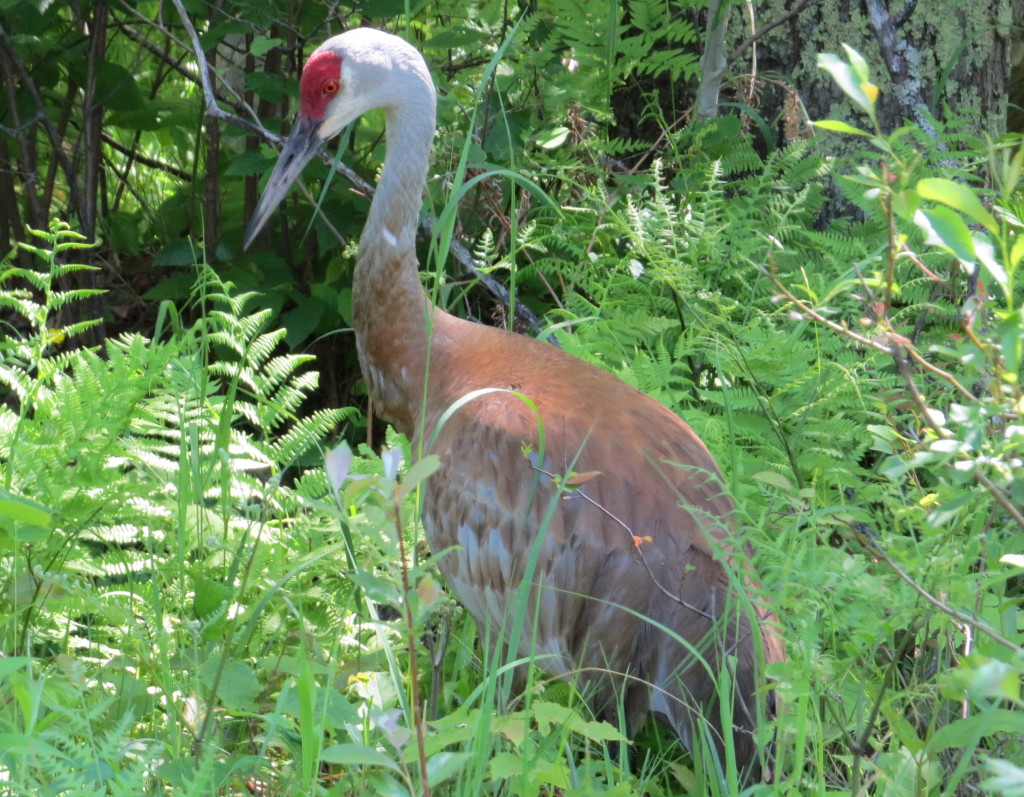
632 540
915 355
1000 495
144 160
810 312
866 538
743 45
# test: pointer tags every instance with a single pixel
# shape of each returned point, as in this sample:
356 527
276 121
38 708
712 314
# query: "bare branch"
906 86
904 15
1001 498
56 140
152 163
632 541
750 40
810 312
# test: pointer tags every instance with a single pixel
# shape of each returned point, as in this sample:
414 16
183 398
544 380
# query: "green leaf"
354 755
858 64
329 705
418 473
20 744
1007 779
238 685
442 766
553 138
24 510
15 663
959 197
262 45
116 88
208 595
176 287
253 161
598 731
847 80
986 254
944 228
1017 253
385 785
301 321
177 253
840 127
948 512
215 35
506 765
961 732
774 479
455 38
1011 341
268 86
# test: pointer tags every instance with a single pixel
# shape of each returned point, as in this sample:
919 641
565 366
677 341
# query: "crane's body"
622 563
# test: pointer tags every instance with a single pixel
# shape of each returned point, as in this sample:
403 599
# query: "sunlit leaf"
554 138
443 765
959 197
338 462
945 229
858 64
262 44
837 126
358 755
986 254
420 471
847 80
24 510
1007 779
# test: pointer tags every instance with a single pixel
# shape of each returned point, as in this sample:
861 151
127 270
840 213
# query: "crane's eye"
330 88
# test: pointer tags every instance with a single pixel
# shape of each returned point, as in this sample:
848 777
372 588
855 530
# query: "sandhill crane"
621 566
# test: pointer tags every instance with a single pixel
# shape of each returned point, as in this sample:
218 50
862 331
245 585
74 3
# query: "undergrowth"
191 604
860 386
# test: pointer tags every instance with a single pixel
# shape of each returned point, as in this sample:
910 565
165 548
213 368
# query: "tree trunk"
88 197
713 63
929 59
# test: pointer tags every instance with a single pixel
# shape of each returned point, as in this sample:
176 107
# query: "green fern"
148 482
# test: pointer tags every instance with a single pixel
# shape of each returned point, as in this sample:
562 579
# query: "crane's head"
345 76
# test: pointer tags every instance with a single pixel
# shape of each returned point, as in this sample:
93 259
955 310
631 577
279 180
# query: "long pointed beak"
303 143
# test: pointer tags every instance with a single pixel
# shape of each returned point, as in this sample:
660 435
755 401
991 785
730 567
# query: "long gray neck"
388 300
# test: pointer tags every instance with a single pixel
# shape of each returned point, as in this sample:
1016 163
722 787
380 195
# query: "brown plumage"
622 560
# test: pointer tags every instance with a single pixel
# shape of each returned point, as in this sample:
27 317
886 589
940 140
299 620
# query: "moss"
940 37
